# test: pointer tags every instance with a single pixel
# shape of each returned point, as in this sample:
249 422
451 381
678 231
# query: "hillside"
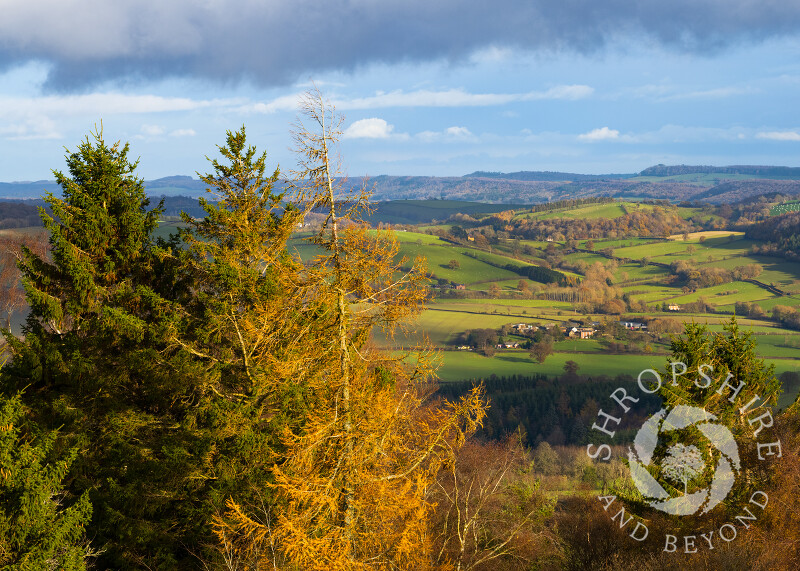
711 184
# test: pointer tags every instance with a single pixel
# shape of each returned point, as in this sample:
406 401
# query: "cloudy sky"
427 87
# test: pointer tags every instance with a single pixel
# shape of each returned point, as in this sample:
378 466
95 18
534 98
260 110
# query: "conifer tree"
237 257
352 482
96 363
735 386
733 358
243 324
37 529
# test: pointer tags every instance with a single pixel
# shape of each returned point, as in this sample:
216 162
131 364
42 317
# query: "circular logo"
682 463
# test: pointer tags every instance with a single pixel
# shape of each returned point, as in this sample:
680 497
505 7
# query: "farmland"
641 270
477 267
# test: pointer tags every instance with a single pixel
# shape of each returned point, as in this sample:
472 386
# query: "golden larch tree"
353 484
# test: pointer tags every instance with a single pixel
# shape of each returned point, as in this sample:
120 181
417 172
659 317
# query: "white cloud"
33 127
428 136
283 103
710 94
450 134
153 130
426 98
423 98
458 132
779 135
460 98
603 134
183 133
99 104
372 128
492 54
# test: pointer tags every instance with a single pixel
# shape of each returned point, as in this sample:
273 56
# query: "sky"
426 87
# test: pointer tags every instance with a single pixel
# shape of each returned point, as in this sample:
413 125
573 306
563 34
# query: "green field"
446 319
610 210
457 365
784 207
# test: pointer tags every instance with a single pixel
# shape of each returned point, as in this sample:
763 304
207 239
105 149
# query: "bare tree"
489 512
12 292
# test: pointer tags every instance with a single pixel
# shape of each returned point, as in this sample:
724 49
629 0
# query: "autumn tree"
352 483
489 511
12 292
541 350
253 323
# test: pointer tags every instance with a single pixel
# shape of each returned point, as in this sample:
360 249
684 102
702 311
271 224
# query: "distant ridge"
752 170
673 183
167 186
547 176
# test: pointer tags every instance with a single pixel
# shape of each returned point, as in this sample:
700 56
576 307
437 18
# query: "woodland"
212 399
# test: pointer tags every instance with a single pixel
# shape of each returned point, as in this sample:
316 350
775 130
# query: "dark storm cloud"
274 42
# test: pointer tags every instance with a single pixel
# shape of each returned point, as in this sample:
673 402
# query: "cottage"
581 332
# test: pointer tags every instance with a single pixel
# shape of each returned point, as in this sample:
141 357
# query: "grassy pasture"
696 213
784 207
506 286
405 237
768 304
438 258
522 303
540 244
586 257
164 229
646 289
728 293
444 320
695 236
636 272
610 210
620 243
778 345
652 251
442 326
458 365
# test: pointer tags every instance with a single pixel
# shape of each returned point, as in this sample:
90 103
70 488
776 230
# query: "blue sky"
427 88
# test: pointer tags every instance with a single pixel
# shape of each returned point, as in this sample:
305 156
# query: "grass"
620 243
406 237
784 207
498 303
728 293
610 210
459 365
695 236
